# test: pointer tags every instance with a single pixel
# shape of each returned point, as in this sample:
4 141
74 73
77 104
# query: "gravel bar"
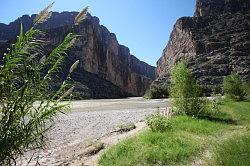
93 119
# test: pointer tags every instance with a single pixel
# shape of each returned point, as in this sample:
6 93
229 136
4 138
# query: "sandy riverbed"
88 120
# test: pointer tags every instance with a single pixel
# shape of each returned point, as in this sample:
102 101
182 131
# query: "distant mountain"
214 42
106 68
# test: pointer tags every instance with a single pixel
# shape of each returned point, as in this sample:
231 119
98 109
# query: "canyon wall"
106 68
215 42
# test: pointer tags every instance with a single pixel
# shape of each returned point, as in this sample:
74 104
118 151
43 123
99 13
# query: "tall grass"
171 147
151 148
27 105
186 140
235 151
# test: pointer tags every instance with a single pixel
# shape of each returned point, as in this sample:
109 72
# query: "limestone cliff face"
106 68
215 7
215 42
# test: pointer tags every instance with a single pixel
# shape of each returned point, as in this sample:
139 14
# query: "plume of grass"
27 104
44 15
81 16
74 66
56 58
67 93
72 42
42 60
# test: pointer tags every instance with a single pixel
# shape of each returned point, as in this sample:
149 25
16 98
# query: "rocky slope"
214 42
106 68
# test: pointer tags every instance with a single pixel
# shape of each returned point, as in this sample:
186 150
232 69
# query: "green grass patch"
185 140
197 126
163 148
235 151
151 148
239 110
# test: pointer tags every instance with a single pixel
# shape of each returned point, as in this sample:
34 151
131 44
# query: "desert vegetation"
234 88
199 126
125 127
158 123
38 81
184 91
27 105
178 145
157 92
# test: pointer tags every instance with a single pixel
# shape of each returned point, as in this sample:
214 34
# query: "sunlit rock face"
106 68
214 42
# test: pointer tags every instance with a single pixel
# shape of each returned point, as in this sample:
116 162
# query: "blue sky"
142 25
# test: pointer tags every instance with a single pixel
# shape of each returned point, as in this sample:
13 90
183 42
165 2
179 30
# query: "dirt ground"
90 120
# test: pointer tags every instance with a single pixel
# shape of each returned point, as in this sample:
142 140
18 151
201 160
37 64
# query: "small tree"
27 105
184 90
157 92
233 87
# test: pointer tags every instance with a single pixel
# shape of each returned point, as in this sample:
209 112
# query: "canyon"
106 69
214 42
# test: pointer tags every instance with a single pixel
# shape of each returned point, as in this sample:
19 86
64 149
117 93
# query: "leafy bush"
93 148
233 87
157 92
216 89
27 106
126 127
76 96
248 91
210 108
186 98
217 98
184 91
158 123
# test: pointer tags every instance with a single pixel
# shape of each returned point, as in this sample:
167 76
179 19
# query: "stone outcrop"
106 68
214 42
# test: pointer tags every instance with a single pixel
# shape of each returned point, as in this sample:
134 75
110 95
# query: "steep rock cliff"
215 42
106 68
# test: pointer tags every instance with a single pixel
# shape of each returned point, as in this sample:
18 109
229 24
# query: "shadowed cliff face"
215 42
106 68
215 7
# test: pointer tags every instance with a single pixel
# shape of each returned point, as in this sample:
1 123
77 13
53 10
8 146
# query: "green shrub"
217 98
216 89
211 111
27 105
76 96
234 88
185 95
248 91
157 92
184 91
158 123
126 127
210 108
